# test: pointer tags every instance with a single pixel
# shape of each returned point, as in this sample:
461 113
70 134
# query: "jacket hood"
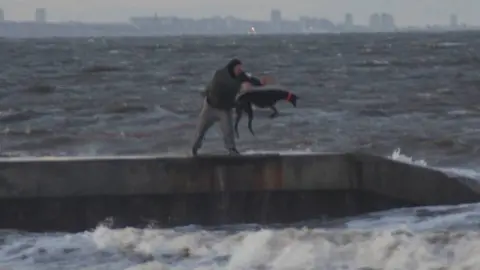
231 65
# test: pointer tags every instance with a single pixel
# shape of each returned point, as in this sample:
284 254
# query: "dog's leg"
249 111
238 111
275 112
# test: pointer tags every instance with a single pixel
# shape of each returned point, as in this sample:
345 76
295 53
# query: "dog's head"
292 98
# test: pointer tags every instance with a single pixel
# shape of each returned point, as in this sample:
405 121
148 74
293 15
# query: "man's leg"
226 125
206 119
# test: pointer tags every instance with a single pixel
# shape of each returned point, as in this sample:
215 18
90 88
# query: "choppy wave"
374 93
420 238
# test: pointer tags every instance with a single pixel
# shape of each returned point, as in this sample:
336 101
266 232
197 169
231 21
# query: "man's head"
234 67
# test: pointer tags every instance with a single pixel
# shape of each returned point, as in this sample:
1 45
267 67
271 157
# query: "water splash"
363 247
398 156
467 172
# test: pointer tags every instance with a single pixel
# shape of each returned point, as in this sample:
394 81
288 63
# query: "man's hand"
245 86
267 80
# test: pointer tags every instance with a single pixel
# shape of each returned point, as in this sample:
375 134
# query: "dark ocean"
408 96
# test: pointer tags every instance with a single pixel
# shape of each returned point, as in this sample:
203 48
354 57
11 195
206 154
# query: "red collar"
289 96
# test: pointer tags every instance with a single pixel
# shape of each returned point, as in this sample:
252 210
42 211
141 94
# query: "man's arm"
255 81
245 77
248 80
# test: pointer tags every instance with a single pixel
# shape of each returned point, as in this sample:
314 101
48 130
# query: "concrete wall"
74 194
419 185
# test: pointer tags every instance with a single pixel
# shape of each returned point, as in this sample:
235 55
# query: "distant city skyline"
406 12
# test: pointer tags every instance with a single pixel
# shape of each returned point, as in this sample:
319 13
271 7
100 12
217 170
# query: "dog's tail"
249 111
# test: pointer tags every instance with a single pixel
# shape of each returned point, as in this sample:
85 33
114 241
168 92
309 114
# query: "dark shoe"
233 152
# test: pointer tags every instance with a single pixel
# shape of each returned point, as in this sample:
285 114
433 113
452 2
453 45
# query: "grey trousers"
208 117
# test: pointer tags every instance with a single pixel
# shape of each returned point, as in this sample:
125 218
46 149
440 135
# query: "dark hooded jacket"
224 87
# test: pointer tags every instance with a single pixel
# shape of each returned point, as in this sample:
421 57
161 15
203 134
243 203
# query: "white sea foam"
408 242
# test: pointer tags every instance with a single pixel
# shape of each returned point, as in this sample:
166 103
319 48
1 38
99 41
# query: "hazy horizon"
406 12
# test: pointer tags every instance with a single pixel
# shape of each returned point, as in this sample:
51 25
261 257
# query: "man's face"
237 70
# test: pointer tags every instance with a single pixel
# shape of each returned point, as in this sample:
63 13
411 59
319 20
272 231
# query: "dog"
263 99
267 82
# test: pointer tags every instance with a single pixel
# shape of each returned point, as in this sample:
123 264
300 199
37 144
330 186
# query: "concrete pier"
75 194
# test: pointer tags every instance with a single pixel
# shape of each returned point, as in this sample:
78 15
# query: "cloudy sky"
406 12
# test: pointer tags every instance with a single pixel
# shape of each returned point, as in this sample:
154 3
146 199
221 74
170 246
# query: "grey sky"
406 12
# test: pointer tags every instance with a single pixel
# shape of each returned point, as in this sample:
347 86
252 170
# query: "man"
220 96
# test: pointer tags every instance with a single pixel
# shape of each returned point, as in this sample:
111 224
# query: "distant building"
453 21
2 15
375 22
276 19
382 22
275 16
40 15
387 22
348 20
305 24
